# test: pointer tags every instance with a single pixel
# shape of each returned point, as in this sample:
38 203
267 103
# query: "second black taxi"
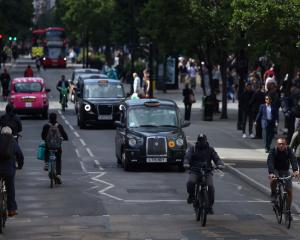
98 101
150 131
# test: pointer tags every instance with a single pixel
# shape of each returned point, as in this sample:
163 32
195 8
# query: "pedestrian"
38 63
10 157
268 116
257 99
245 99
136 84
188 100
5 81
295 145
199 156
146 83
11 119
270 80
296 81
51 132
230 86
182 69
28 72
192 74
269 73
216 75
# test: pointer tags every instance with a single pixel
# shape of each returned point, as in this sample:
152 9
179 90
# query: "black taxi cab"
98 101
150 131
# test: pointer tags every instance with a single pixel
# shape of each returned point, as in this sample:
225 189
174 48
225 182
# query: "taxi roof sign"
152 104
102 82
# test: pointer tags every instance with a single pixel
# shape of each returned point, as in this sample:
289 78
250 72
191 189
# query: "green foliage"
16 17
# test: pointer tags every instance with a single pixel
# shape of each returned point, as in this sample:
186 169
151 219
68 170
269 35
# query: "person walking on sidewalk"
5 81
28 72
188 100
295 145
192 74
268 116
257 99
279 160
246 109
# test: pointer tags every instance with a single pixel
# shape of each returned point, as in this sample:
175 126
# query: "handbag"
41 151
192 98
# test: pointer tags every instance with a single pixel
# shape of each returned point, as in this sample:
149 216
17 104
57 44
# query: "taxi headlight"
179 142
132 142
87 107
171 143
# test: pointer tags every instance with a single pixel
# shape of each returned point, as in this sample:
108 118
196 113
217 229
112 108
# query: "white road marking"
90 152
76 134
59 111
77 152
71 127
82 142
83 167
63 117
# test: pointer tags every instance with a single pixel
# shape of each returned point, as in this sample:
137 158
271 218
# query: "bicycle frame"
52 166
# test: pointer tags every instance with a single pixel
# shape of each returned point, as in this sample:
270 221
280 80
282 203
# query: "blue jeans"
268 135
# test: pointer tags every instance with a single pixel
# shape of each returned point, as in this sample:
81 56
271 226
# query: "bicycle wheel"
203 207
279 205
63 104
287 213
51 173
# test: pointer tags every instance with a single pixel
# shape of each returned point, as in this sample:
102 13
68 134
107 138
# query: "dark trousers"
268 134
298 160
58 159
258 129
247 115
10 188
5 91
290 125
187 111
191 183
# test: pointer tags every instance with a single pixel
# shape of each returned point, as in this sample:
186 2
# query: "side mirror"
185 124
48 90
119 124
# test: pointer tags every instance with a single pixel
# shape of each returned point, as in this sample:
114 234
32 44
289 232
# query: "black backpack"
6 147
53 139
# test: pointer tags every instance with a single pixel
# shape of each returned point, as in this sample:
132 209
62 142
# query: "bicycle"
3 204
52 167
201 201
64 95
280 205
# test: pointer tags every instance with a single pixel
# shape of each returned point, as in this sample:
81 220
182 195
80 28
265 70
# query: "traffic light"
15 39
9 38
1 36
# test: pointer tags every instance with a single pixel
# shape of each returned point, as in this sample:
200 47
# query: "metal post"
151 69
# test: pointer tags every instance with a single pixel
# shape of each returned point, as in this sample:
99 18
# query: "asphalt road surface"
99 200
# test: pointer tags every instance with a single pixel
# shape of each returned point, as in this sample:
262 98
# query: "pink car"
29 96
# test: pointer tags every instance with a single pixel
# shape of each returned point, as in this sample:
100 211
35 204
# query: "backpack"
6 148
53 139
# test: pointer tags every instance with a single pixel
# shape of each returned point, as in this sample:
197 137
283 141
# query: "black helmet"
202 138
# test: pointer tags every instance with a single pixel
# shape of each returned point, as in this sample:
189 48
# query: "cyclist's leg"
273 185
47 153
190 186
58 161
289 189
10 189
211 193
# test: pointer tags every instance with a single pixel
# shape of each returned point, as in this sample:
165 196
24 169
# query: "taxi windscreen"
21 87
152 117
95 90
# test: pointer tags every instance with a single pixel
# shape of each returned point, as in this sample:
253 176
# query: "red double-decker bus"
55 47
37 43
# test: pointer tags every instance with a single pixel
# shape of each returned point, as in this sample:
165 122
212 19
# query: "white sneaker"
244 135
252 135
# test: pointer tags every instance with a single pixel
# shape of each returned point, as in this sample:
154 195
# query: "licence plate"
28 104
156 160
105 117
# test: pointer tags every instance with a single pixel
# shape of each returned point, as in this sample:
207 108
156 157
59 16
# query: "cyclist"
12 120
202 154
10 154
45 136
63 83
279 160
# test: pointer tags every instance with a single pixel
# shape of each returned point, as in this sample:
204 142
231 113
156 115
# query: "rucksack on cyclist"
54 138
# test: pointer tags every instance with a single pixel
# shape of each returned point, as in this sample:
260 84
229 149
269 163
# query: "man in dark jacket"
199 156
279 160
64 136
62 83
246 109
8 166
11 119
5 81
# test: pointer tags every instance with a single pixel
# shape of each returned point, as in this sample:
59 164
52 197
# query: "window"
96 90
28 87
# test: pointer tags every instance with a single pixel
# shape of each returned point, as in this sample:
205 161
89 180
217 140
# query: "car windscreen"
23 87
95 90
152 117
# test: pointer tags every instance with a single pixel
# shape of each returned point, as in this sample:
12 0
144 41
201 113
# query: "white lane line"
77 152
63 117
59 111
98 165
90 152
76 134
82 142
67 122
71 127
83 167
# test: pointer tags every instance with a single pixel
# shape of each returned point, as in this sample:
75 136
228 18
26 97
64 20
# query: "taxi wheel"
125 162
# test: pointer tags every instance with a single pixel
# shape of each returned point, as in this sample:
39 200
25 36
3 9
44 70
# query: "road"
98 200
